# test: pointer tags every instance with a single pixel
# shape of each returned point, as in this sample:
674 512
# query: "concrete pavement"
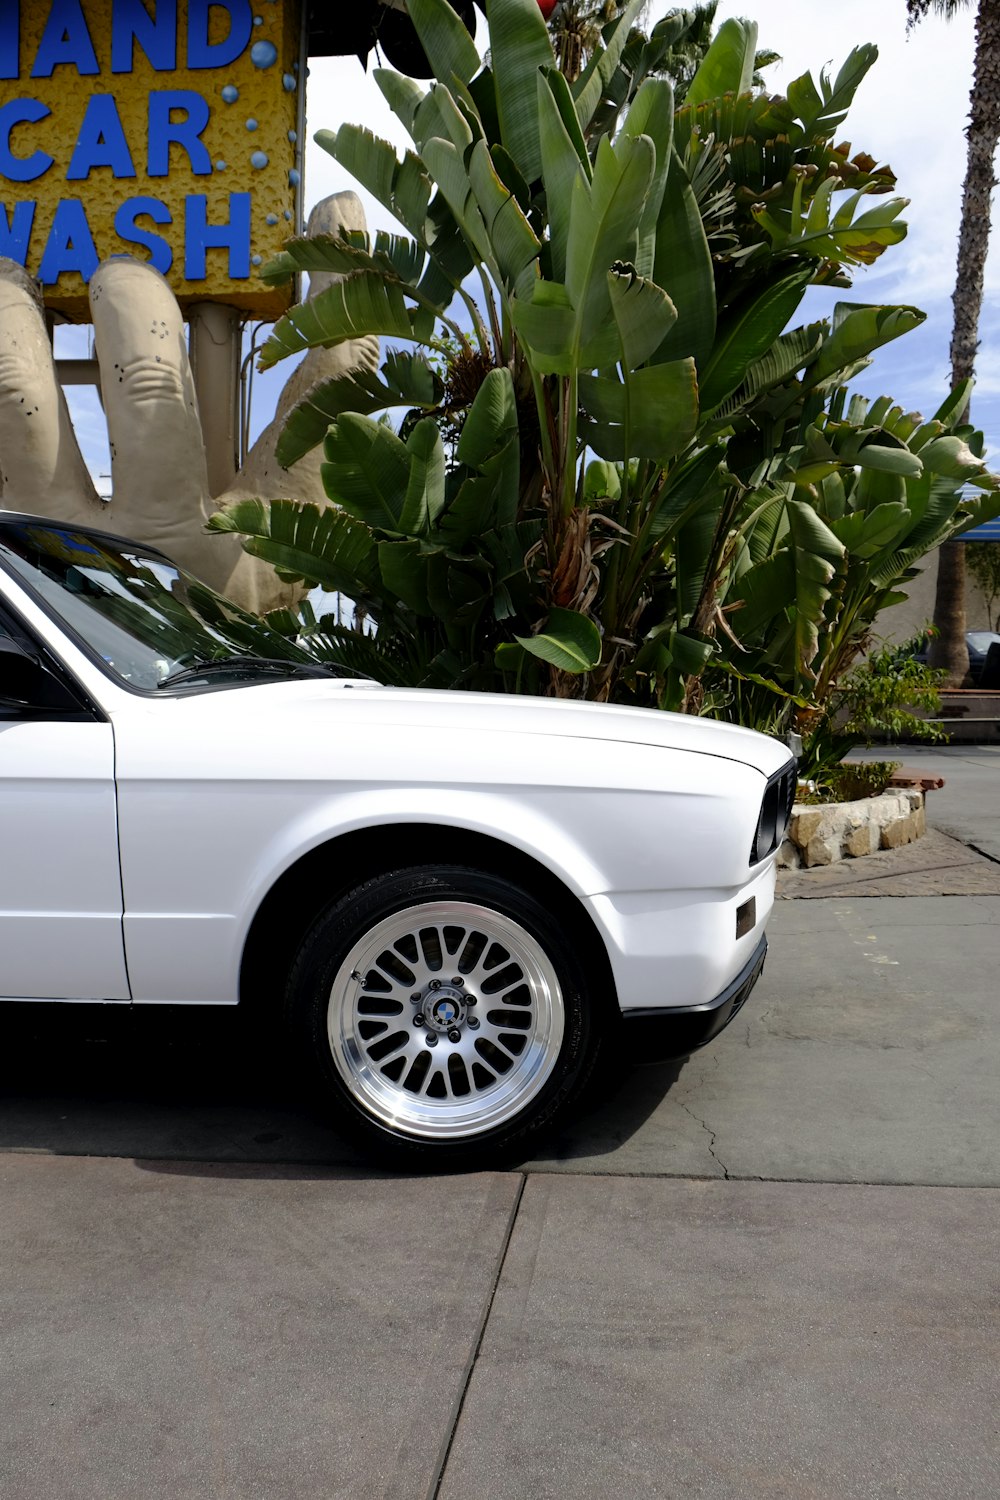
769 1271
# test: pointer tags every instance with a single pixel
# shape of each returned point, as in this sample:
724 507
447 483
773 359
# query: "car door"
60 884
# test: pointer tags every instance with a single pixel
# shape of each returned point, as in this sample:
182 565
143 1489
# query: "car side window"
29 689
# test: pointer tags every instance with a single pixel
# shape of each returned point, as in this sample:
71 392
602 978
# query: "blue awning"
989 531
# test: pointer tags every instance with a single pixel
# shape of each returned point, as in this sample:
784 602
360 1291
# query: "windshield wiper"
251 666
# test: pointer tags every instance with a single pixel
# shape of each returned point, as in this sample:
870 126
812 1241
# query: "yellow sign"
164 129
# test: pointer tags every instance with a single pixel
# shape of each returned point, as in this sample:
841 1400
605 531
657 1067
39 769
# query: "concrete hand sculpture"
161 490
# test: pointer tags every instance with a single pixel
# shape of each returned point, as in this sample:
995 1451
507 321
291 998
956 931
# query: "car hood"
303 706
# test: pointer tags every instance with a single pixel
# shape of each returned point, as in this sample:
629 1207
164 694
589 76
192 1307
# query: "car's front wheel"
447 1010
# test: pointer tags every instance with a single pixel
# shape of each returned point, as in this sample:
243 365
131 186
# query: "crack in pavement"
712 1137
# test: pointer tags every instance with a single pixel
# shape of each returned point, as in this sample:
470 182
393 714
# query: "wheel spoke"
446 1019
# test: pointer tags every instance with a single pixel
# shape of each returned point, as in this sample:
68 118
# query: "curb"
824 834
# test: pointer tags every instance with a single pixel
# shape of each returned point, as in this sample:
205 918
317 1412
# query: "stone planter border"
826 833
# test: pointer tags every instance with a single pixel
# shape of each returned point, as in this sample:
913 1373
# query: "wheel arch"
326 872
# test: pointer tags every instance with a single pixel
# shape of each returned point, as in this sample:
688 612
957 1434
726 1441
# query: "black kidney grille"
775 810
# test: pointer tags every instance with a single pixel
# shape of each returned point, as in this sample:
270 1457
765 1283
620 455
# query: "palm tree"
949 648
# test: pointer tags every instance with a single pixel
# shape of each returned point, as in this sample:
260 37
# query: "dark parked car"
979 643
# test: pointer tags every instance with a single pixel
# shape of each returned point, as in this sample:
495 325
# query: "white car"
455 900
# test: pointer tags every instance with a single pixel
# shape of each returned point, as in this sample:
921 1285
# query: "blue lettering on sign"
10 54
65 41
21 168
70 245
15 233
165 132
156 35
200 236
201 53
101 142
161 256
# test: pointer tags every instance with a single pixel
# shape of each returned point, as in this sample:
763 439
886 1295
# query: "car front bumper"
655 1034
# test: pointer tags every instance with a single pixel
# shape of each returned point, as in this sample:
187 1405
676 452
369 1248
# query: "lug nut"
435 984
470 1000
415 998
472 1024
459 982
454 1035
418 1020
432 1040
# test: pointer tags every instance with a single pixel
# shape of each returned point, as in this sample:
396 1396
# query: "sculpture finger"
157 452
261 474
41 467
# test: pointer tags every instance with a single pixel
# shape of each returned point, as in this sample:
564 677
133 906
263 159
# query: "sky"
910 111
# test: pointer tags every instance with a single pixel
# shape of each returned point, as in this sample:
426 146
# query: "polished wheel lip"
485 1108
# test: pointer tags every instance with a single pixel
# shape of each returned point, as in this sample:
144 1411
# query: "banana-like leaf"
693 549
491 420
424 499
899 461
401 187
654 416
683 267
693 484
403 95
322 547
858 243
570 641
367 471
747 333
652 115
403 566
643 314
816 552
363 303
821 110
358 652
727 67
561 165
856 331
448 166
410 381
603 221
786 355
519 46
449 47
866 534
590 87
514 243
952 457
547 325
349 251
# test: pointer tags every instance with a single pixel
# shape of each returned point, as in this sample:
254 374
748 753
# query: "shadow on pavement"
174 1086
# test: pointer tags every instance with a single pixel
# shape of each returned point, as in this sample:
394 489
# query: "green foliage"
983 561
623 475
874 701
849 781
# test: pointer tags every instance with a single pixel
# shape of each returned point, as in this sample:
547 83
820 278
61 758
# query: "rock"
823 850
862 840
902 831
805 824
788 856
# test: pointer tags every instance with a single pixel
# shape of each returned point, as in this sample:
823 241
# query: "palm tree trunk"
949 649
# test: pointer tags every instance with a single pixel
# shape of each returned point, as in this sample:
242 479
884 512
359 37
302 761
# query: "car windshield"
147 620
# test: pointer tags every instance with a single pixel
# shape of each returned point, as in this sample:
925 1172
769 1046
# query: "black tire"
504 994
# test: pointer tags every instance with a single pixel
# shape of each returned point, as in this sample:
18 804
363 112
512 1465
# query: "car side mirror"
27 685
